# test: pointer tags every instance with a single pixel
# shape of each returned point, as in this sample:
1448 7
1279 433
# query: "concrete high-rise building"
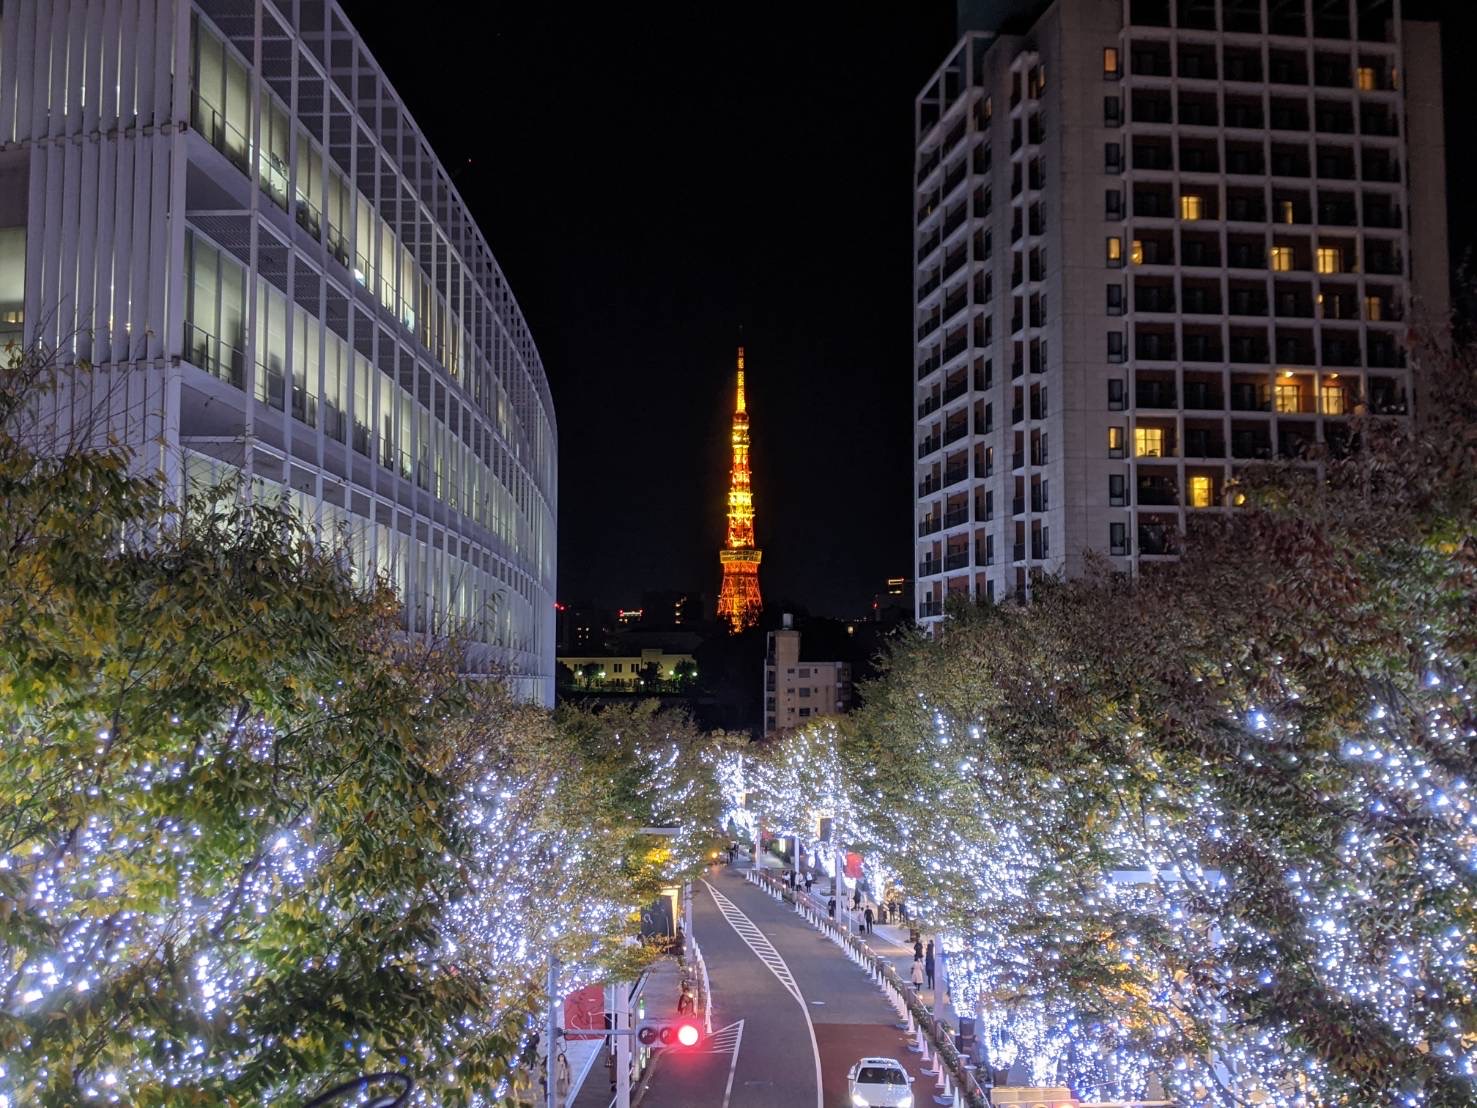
227 210
795 690
1157 240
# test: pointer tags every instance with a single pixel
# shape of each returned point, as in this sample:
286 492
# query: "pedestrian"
917 974
928 963
856 899
918 949
867 915
561 1075
809 880
831 907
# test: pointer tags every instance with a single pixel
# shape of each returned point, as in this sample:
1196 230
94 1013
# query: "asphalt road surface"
789 1008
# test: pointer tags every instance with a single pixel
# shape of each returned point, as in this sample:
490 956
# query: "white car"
880 1083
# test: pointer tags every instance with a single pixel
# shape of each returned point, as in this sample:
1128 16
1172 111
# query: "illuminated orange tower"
738 598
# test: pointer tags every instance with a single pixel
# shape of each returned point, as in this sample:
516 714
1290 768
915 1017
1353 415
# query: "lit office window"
1332 399
1148 442
1136 254
1330 259
1115 442
1281 258
1111 66
1192 207
1115 250
1289 396
1364 78
1285 212
1374 308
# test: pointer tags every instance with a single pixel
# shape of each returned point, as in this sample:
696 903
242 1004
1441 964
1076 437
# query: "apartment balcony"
929 406
930 568
929 485
956 432
984 555
927 608
930 526
957 560
1157 540
1018 505
1018 552
929 445
956 390
954 474
957 516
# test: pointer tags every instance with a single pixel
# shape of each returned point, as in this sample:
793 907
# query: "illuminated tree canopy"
1216 823
253 840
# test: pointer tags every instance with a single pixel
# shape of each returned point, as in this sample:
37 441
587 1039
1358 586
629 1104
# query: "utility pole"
551 1036
620 1020
686 921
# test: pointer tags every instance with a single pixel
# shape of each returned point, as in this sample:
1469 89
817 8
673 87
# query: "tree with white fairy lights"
1214 824
254 840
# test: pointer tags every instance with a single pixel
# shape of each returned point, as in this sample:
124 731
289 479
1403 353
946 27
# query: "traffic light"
681 1034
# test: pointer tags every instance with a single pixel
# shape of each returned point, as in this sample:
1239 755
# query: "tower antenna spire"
738 598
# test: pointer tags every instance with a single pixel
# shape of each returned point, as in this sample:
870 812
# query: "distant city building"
629 617
673 609
796 690
651 669
1157 241
225 208
738 598
896 597
583 629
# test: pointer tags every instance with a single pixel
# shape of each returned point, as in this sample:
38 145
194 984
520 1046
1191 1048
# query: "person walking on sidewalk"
917 948
867 915
928 963
831 907
917 974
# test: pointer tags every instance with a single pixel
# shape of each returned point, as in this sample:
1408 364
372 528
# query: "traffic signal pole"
620 1021
551 1036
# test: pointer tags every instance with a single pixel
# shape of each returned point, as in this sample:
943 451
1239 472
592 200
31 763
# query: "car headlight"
858 1101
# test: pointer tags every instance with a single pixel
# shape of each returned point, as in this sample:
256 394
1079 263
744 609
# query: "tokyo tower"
738 598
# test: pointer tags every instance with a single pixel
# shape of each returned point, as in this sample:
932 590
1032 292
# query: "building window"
1332 400
1285 212
804 712
805 691
616 668
1148 442
1281 258
1115 346
1136 252
1289 396
1113 204
1364 78
1118 539
1115 250
1111 66
1202 489
1115 299
1373 308
1116 400
1115 442
1112 158
1330 259
805 673
1192 207
987 109
1112 111
1117 490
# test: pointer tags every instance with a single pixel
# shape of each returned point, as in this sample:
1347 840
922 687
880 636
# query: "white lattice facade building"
225 208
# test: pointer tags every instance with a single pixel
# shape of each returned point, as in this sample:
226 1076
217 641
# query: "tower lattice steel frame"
738 598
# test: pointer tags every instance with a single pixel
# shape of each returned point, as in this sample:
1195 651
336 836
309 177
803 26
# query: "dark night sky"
650 179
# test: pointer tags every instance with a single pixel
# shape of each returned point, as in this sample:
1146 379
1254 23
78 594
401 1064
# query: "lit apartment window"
1136 254
1282 258
1289 396
1192 207
1202 489
1148 442
1110 62
1330 259
1332 400
1284 212
1115 250
1115 442
987 109
1364 78
1374 308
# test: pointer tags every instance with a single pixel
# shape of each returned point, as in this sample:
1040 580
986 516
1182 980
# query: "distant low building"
797 690
653 669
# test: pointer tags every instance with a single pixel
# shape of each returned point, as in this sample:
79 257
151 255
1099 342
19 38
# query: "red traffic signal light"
656 1034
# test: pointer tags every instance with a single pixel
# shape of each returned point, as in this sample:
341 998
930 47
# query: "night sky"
653 179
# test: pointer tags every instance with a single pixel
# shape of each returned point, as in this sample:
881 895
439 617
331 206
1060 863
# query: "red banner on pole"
853 865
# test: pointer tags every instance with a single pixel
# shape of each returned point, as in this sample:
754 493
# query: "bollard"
945 1094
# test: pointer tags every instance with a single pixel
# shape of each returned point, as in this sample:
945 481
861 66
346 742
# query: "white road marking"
764 950
738 1037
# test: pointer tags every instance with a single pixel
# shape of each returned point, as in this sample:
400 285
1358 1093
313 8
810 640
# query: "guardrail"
956 1084
705 992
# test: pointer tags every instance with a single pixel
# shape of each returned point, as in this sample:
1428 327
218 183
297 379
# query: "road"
790 1011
